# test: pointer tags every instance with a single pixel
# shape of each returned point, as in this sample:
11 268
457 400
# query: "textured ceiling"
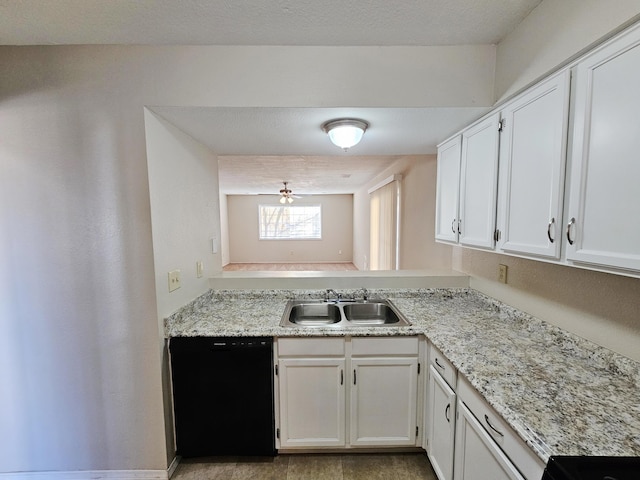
260 22
307 175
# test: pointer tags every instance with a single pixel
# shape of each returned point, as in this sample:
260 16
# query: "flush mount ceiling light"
286 195
345 132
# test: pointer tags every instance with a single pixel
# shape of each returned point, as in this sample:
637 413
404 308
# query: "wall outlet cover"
502 273
199 268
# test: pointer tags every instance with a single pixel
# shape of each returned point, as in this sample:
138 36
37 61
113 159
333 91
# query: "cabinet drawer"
311 347
529 464
442 366
384 346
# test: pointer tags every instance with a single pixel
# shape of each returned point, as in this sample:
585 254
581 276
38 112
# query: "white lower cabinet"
384 401
486 447
376 377
477 456
466 438
440 419
312 402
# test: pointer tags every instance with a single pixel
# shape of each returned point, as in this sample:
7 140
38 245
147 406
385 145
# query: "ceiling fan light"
289 199
283 199
345 133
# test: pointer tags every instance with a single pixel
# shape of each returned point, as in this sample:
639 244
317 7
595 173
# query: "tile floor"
359 466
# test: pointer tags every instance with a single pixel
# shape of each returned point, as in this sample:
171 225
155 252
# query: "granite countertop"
562 394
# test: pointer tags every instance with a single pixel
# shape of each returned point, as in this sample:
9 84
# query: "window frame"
279 206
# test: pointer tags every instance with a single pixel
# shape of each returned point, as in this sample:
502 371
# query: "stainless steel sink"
342 314
370 314
314 314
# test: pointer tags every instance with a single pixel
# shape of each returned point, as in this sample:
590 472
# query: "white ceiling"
260 146
260 22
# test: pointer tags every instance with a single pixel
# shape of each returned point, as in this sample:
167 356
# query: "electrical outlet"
174 280
502 273
199 268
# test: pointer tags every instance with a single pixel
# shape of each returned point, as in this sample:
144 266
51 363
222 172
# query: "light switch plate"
174 280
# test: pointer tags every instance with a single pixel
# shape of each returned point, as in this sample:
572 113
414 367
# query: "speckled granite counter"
563 395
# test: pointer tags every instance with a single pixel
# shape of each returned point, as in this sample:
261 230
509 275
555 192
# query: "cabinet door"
312 402
602 225
448 183
479 184
477 456
441 414
532 167
384 396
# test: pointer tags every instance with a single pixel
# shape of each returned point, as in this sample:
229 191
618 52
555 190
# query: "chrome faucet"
336 296
365 294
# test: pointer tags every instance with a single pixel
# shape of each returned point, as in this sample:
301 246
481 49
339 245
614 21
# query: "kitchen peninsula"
561 394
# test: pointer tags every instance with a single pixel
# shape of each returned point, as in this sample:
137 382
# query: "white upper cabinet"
532 166
448 181
602 225
479 183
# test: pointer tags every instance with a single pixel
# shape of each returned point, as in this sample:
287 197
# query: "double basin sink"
342 313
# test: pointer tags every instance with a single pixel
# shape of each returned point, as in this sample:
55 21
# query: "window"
290 222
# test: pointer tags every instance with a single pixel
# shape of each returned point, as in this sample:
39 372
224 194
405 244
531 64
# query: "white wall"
185 213
337 231
224 230
361 230
554 32
418 249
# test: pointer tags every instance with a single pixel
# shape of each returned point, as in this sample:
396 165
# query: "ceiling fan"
287 195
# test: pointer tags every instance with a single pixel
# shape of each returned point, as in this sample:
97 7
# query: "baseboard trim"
89 475
173 466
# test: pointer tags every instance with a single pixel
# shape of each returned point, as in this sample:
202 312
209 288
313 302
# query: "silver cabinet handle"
551 224
569 225
354 376
459 230
446 412
453 225
486 419
438 364
341 377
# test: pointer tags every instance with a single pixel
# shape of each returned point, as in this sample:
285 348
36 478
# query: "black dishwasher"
223 395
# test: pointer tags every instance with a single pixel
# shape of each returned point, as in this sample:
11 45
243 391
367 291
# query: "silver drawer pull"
569 225
438 364
446 412
341 377
486 419
453 225
551 224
